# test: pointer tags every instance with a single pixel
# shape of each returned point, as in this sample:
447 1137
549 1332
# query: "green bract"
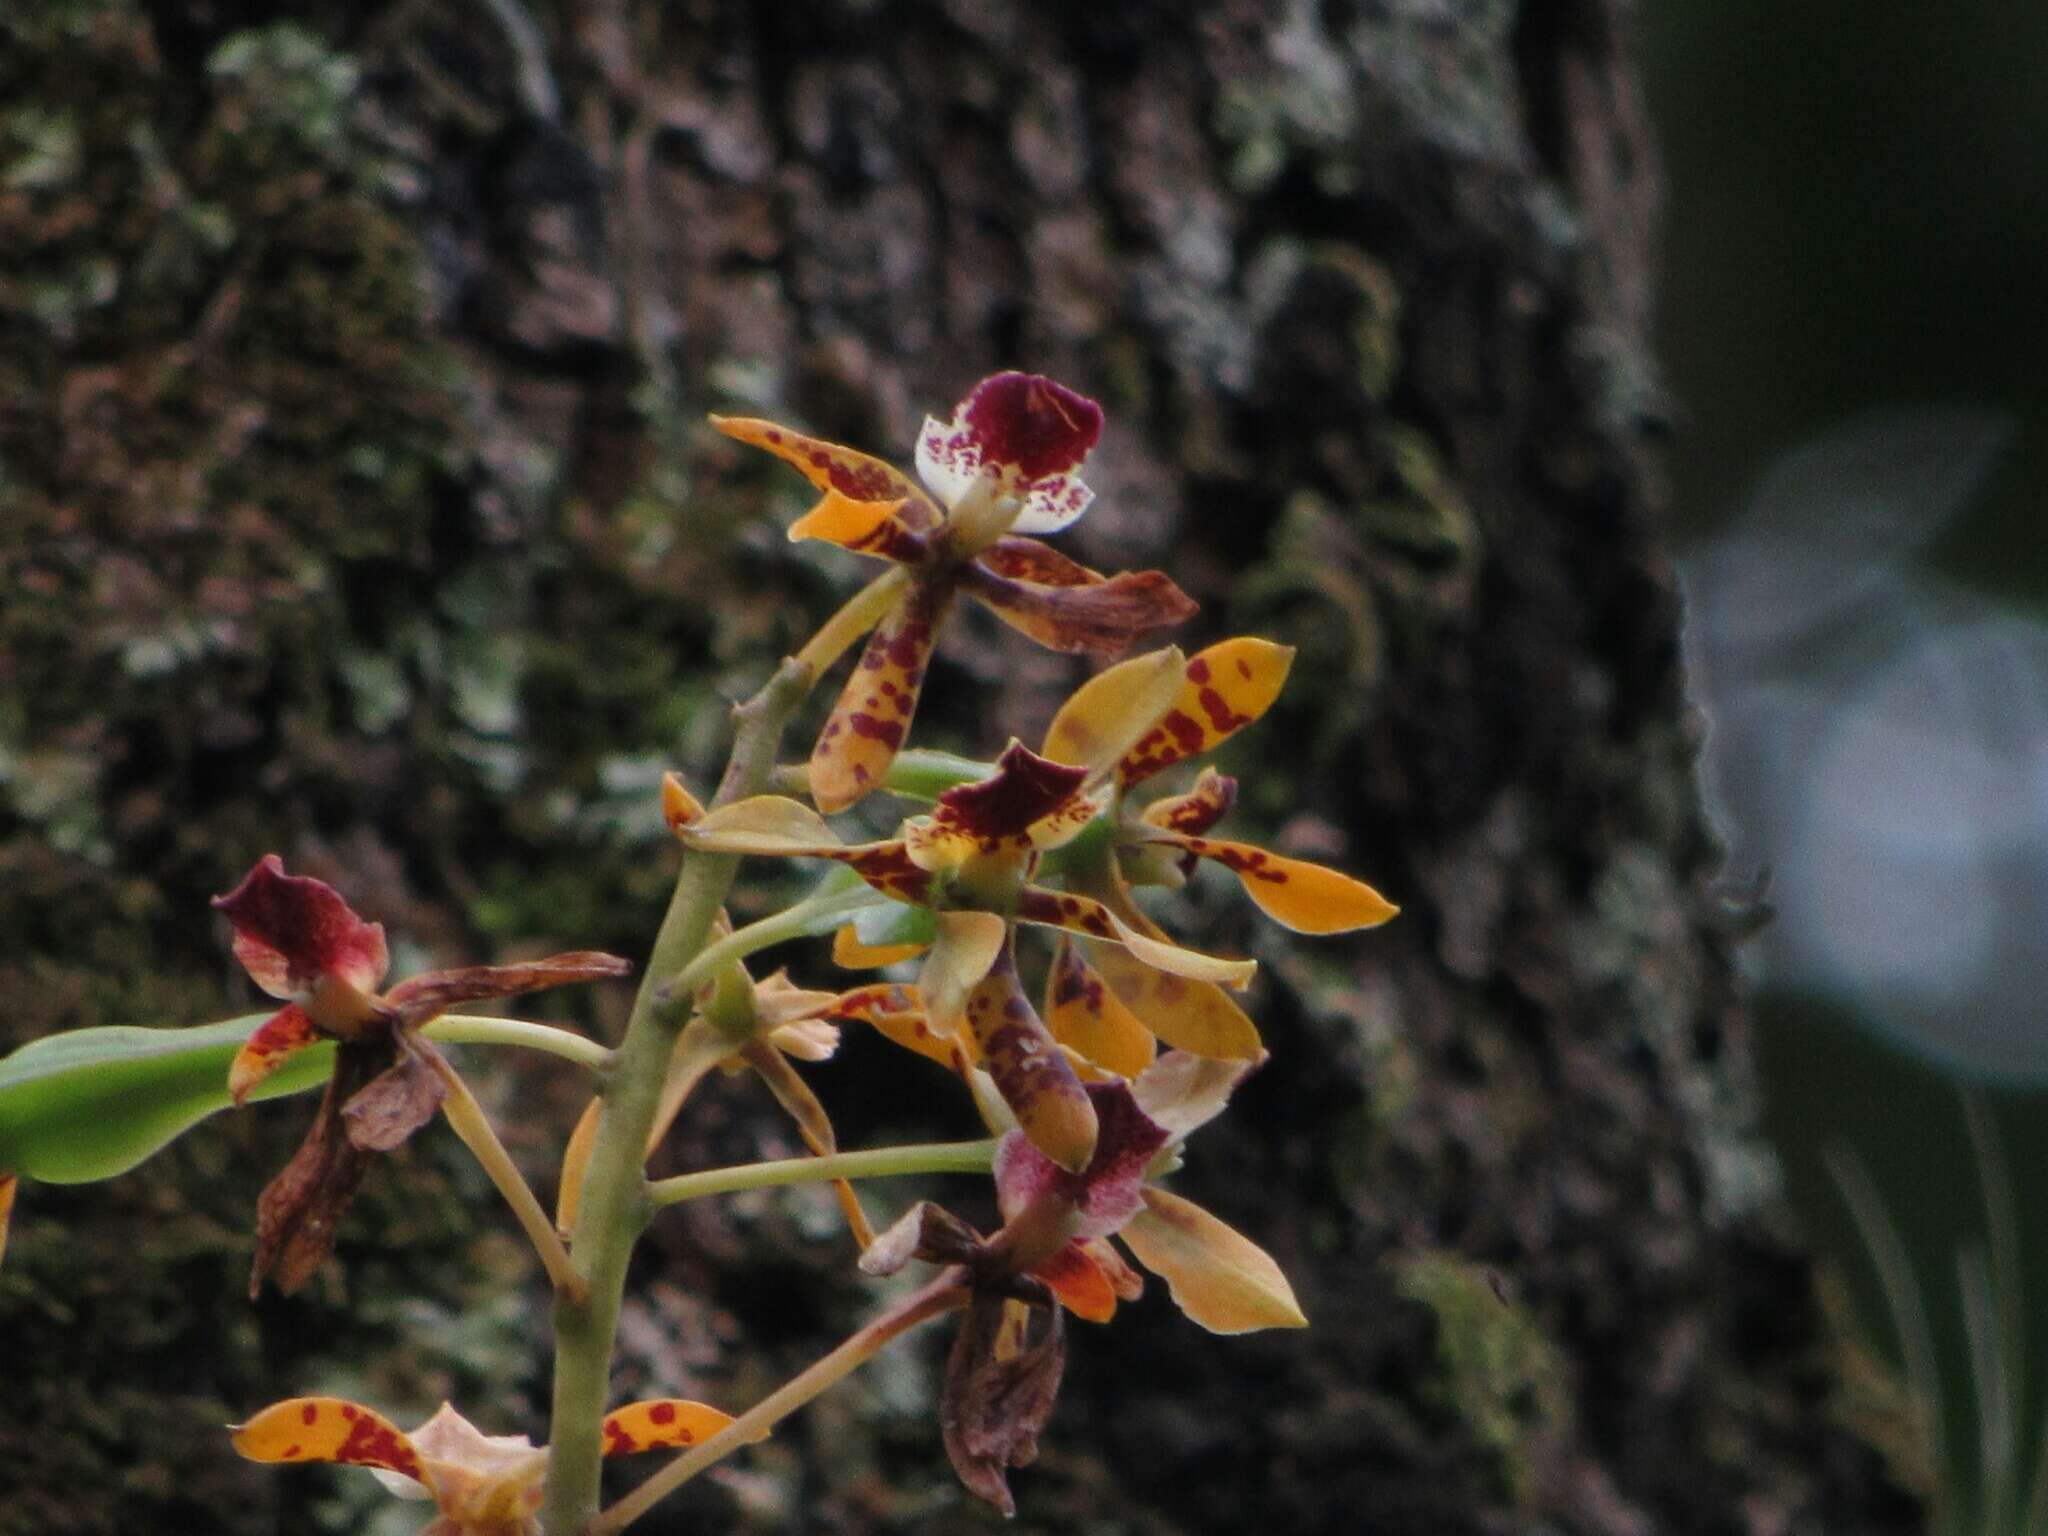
92 1103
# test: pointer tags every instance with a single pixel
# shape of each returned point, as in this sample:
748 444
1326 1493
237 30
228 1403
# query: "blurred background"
1852 326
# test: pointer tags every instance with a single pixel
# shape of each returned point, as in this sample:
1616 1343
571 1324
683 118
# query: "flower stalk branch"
948 1292
879 1163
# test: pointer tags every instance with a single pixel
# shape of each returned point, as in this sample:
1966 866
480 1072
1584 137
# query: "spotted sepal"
835 470
1228 686
865 730
659 1423
1085 915
1030 1070
897 1013
330 1429
1309 898
1097 619
274 1042
1084 1015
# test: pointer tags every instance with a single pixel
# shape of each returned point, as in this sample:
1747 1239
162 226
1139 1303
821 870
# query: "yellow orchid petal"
1220 1279
1225 689
1030 1070
8 1185
1086 915
280 1037
330 1429
850 953
1195 1016
1110 713
867 725
1084 1014
898 1014
832 468
1309 898
967 945
865 527
660 1422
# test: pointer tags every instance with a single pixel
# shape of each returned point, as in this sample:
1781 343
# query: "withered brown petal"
431 994
300 1210
1101 619
991 1410
395 1103
925 1231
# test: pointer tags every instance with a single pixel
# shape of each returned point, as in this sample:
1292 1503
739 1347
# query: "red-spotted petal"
1085 915
290 931
1104 1194
1196 811
660 1422
1029 560
1026 432
866 727
1228 686
1024 790
1030 1071
276 1039
1099 619
832 468
330 1429
1308 898
897 1013
1084 1014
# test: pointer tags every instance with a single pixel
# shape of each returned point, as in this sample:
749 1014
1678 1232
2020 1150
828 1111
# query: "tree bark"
357 507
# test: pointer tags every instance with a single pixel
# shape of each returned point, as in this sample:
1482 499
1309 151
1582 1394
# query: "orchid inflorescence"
1086 1100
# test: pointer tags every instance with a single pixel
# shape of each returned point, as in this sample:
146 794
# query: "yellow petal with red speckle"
1226 688
1219 1278
276 1040
967 945
867 725
1085 915
660 1422
865 527
898 1013
8 1186
1030 1070
830 467
1110 713
1081 1284
330 1429
1086 1016
1193 1016
851 954
1308 898
1195 812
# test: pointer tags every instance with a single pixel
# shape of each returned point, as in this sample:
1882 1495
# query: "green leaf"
91 1103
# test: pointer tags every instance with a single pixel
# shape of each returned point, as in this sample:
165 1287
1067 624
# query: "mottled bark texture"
356 506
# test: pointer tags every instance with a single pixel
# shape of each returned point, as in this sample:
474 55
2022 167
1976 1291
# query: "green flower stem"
799 921
881 1163
613 1208
468 1120
948 1292
476 1029
862 612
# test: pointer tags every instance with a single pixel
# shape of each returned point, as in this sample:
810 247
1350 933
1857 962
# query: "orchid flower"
969 863
302 943
482 1485
1004 467
1055 1245
1222 690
